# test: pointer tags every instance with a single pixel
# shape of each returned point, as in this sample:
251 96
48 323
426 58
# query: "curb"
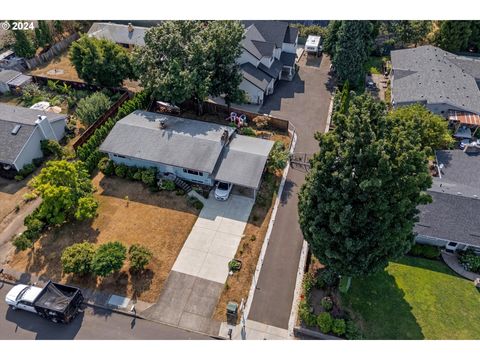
329 117
267 235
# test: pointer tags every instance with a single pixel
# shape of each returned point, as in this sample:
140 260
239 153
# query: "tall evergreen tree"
23 46
358 205
454 35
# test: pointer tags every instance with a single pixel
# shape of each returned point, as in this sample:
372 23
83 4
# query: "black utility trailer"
58 303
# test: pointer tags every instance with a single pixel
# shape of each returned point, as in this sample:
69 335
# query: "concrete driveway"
194 285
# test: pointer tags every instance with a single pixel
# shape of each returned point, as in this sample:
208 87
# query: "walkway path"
305 102
452 261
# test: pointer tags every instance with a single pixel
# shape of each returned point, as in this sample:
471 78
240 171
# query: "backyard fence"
100 121
55 50
223 110
77 85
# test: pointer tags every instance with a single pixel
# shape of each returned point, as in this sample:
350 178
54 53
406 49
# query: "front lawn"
127 213
415 298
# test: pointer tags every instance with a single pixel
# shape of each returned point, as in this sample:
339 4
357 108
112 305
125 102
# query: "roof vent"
162 124
16 129
130 27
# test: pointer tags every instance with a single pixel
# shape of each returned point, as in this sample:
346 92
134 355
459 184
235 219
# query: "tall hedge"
89 152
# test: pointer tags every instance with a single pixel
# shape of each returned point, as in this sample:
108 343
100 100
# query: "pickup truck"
55 302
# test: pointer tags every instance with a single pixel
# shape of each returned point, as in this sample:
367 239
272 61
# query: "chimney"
225 137
130 28
46 127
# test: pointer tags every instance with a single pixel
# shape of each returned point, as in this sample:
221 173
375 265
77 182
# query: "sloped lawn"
415 298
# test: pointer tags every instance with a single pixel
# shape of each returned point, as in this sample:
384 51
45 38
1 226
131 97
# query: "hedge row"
89 152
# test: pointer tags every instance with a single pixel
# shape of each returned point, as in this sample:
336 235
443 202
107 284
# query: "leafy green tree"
453 35
428 130
278 157
90 108
139 257
358 205
66 190
77 259
100 61
109 258
23 45
190 60
350 43
412 31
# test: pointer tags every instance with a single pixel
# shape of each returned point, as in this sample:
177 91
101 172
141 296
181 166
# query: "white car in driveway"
23 297
223 190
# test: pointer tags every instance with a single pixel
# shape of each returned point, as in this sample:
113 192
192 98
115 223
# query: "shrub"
37 162
131 171
234 265
87 208
21 242
248 131
339 327
52 147
168 185
27 170
197 204
149 176
278 157
139 257
351 331
106 166
305 313
32 93
325 322
108 258
89 109
327 303
121 170
77 259
34 227
18 177
308 283
30 196
328 277
426 251
470 261
261 121
180 192
138 175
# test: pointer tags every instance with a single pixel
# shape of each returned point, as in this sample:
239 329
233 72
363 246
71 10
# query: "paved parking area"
214 238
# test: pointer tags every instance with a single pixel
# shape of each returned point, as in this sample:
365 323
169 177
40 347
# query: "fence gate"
300 161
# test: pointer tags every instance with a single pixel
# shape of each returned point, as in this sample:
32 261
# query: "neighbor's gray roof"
243 161
460 173
450 217
257 77
274 69
10 116
431 75
184 143
20 80
272 30
7 75
118 33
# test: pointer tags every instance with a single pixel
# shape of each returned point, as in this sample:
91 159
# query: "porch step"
182 185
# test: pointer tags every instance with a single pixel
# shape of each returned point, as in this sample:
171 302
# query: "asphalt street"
91 324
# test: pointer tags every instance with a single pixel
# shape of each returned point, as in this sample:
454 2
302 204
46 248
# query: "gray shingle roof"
257 77
186 143
10 116
288 59
290 35
454 214
243 161
272 30
433 76
450 217
274 69
265 49
118 33
7 75
20 80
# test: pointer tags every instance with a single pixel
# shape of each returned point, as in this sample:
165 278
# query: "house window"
193 172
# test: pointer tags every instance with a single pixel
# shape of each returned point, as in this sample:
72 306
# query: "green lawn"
415 299
374 64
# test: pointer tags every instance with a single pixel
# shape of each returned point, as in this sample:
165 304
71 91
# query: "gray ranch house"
195 151
452 220
21 131
128 36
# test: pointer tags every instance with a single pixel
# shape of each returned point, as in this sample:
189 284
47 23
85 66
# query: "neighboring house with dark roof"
12 79
128 36
192 150
21 131
440 80
268 55
453 218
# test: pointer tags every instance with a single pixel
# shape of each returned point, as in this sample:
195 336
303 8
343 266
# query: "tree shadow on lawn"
380 307
436 265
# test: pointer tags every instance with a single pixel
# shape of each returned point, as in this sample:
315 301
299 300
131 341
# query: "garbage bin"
232 312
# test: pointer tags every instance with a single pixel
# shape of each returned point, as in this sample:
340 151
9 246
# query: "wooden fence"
100 121
55 50
77 85
222 110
